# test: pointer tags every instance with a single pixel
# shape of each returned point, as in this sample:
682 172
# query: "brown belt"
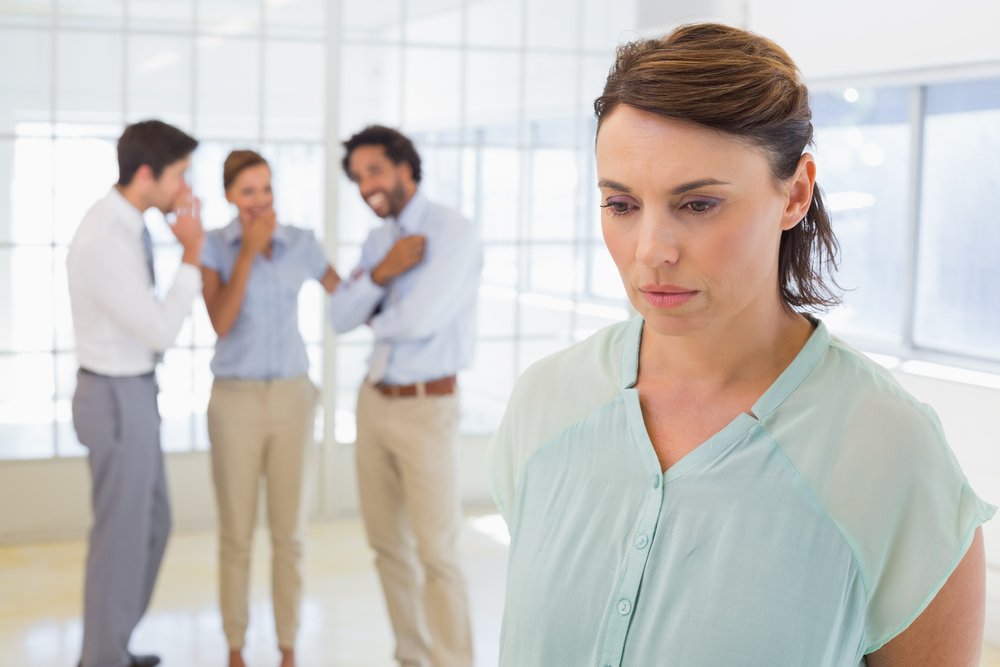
439 387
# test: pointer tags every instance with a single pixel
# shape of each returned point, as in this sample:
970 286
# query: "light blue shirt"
265 342
426 316
808 533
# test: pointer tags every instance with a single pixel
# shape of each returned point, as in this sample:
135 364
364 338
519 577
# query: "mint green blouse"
810 532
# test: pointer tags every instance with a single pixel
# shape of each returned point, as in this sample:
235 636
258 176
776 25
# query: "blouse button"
642 541
656 481
624 607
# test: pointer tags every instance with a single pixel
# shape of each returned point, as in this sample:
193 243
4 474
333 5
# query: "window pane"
554 194
176 400
486 386
496 295
603 280
91 13
26 191
25 299
67 443
312 314
206 181
176 15
370 84
433 21
88 78
442 175
84 170
500 266
498 187
202 391
959 281
294 90
551 89
297 177
27 88
159 79
552 270
229 17
553 24
862 154
605 23
371 20
351 367
494 23
228 88
26 406
296 18
26 12
493 99
431 83
62 314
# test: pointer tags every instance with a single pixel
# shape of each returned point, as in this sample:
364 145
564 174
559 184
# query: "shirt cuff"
188 278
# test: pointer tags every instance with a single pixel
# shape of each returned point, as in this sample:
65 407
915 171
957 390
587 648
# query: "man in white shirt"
416 288
121 331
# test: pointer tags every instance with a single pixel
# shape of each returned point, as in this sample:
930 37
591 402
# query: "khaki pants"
261 429
407 482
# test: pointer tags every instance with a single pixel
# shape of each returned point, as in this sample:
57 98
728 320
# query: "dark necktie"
147 250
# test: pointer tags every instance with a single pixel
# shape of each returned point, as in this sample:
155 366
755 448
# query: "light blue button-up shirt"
265 342
427 316
807 533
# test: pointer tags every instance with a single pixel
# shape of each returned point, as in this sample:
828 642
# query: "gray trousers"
117 419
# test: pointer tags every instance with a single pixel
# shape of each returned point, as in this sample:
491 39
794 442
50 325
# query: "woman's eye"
700 206
618 207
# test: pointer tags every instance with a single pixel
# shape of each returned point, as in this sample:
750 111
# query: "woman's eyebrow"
679 190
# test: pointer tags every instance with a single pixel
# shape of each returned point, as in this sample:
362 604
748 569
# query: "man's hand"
257 233
187 227
405 253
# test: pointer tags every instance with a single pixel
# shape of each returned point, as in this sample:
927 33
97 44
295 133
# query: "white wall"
832 38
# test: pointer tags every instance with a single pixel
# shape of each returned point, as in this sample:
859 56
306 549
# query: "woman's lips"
667 296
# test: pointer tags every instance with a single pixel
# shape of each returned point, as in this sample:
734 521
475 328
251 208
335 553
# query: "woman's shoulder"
589 365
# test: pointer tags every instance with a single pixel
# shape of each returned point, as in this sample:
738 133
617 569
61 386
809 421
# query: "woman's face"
251 192
693 220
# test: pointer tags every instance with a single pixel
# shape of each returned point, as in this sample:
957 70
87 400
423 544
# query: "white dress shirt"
424 320
119 324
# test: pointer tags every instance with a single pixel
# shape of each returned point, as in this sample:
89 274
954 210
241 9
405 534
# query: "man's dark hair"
151 142
398 147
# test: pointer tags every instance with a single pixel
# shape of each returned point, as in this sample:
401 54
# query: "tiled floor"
343 623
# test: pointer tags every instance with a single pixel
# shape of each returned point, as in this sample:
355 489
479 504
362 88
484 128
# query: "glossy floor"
343 621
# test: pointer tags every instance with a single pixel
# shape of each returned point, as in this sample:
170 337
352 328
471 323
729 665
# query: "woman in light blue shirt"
720 481
260 413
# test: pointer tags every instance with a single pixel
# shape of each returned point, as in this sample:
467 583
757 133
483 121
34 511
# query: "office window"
958 286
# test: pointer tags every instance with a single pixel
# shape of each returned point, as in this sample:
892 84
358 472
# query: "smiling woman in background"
260 414
720 481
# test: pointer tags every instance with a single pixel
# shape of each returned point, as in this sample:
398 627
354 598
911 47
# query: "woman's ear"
800 192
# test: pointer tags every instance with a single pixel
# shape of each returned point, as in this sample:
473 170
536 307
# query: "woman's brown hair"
747 86
236 162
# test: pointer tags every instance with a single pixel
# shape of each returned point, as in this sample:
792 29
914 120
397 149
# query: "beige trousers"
407 482
261 429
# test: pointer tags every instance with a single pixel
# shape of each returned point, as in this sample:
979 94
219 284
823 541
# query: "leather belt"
439 387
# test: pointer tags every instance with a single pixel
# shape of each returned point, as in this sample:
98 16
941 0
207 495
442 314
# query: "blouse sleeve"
923 518
211 256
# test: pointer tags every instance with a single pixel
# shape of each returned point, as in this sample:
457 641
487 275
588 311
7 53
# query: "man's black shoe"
137 661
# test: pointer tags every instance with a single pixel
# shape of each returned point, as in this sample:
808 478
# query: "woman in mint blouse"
260 414
720 482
